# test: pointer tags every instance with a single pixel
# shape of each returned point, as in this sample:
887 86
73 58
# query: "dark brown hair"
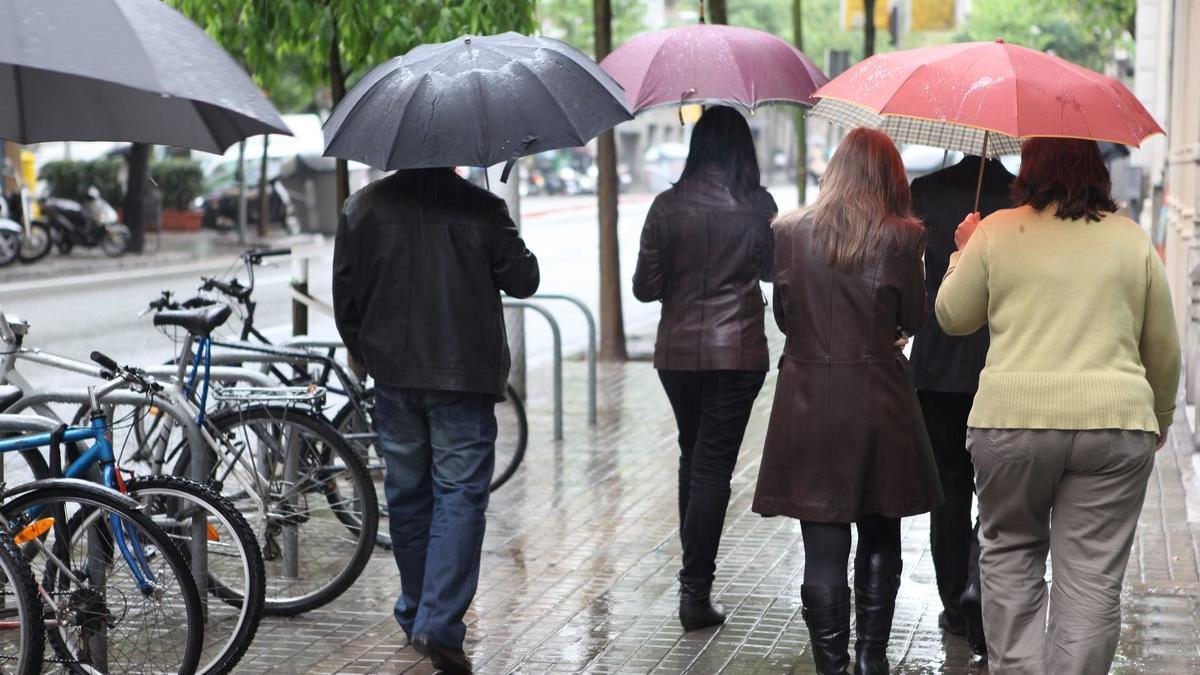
864 189
1067 173
722 138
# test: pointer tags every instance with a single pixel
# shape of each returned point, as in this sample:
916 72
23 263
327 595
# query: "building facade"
1167 80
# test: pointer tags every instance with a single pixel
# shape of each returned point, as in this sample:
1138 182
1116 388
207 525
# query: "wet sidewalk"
582 548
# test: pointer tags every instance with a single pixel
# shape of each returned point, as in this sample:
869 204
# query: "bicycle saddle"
9 394
199 321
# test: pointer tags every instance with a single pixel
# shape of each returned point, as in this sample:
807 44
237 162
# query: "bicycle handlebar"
136 377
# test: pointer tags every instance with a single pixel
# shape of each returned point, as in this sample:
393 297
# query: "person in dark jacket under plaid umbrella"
946 374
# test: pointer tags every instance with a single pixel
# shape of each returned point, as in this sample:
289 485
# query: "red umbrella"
712 65
961 96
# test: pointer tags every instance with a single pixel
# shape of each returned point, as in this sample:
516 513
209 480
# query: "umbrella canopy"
121 70
983 97
474 101
712 65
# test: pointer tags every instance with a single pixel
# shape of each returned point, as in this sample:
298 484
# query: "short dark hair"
722 137
1066 172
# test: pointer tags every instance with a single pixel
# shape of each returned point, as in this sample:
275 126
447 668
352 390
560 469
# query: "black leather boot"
876 581
696 609
827 614
972 607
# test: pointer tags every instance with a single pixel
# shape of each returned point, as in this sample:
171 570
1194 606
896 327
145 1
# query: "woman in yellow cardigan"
1077 393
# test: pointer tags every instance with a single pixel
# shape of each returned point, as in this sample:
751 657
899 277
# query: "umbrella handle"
982 165
525 143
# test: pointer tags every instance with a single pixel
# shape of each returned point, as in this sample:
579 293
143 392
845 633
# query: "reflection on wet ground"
582 548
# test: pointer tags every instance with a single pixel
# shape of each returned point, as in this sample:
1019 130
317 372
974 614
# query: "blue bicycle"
117 592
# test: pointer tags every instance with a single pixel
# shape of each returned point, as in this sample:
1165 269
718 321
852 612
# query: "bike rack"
558 377
591 345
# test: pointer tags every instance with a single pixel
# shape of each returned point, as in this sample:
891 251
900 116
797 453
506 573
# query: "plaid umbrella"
982 98
917 131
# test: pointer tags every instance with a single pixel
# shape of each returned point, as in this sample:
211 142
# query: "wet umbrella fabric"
712 65
474 101
122 70
983 98
950 95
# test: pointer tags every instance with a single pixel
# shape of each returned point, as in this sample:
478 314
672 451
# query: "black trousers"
712 408
953 541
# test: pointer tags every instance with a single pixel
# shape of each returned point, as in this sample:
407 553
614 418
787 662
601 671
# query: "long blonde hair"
864 187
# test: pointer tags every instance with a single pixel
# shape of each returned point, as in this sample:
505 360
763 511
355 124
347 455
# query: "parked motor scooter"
90 223
33 238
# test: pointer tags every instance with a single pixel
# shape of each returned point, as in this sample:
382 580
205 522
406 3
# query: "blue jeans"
440 449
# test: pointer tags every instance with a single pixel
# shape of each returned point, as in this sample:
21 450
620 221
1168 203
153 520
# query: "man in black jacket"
419 261
946 373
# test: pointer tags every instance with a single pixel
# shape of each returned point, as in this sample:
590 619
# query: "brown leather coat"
702 254
846 437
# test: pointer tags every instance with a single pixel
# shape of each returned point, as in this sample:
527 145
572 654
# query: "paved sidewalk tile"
582 548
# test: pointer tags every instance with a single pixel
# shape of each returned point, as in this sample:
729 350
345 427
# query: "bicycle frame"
99 453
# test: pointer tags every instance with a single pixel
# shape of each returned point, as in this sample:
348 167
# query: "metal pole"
241 203
299 283
591 348
558 385
982 164
514 318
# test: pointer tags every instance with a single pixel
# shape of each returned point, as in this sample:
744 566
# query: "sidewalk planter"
177 220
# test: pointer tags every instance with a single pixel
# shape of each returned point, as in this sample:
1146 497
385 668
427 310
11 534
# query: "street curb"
139 267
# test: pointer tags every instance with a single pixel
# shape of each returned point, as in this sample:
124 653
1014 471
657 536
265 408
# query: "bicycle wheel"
235 569
512 435
306 494
22 629
130 608
511 439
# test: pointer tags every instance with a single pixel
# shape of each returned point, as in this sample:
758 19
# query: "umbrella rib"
578 135
387 161
361 99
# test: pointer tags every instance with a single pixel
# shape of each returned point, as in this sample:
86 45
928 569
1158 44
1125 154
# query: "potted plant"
180 180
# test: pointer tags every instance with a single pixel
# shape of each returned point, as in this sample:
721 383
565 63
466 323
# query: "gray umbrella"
121 70
475 101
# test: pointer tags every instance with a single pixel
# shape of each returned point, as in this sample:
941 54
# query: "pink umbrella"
712 65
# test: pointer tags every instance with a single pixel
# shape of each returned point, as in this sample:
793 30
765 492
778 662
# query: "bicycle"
281 464
353 418
22 629
225 554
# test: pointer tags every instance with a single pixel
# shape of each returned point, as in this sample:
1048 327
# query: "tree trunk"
801 121
138 166
264 201
337 90
612 322
717 12
868 28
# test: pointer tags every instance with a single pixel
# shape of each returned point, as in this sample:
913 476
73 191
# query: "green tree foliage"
333 42
572 21
1080 31
823 29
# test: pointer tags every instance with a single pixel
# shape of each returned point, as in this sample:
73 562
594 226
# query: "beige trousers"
1075 495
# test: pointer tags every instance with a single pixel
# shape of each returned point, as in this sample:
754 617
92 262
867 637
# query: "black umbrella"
474 101
121 70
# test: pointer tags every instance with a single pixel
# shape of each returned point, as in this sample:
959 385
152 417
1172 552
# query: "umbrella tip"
999 41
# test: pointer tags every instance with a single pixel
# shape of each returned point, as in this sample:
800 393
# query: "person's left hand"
901 340
965 229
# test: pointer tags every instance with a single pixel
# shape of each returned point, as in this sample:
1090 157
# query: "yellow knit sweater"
1083 336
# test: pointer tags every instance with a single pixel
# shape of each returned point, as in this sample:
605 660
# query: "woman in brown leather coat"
846 442
706 245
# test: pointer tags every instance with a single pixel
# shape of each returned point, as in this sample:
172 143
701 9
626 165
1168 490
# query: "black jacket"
419 261
702 254
942 199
